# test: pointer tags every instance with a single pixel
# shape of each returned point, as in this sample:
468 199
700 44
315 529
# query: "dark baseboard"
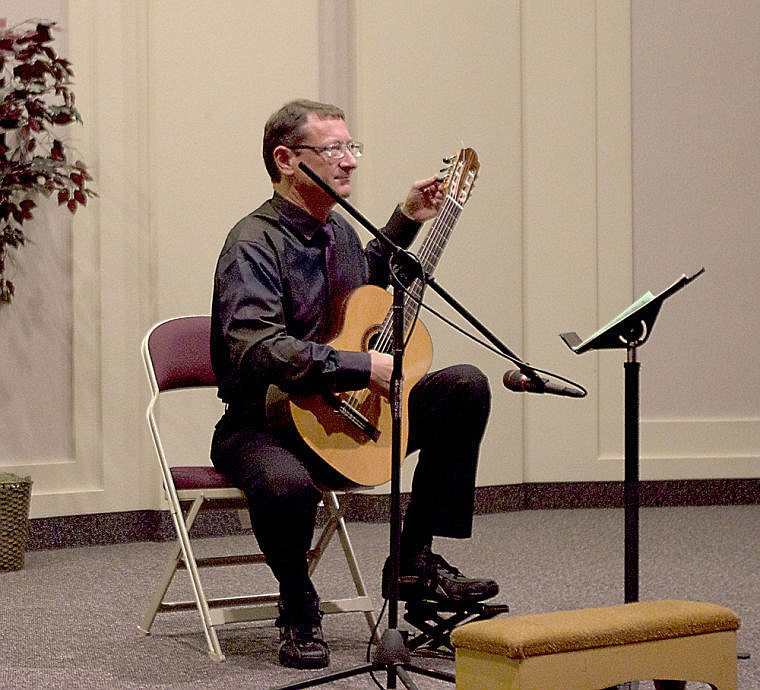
155 525
568 495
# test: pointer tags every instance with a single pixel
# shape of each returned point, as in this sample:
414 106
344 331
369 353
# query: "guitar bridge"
352 415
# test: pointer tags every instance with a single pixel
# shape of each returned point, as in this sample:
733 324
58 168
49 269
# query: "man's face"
335 171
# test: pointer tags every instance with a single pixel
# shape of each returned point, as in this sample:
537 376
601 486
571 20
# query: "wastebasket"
15 493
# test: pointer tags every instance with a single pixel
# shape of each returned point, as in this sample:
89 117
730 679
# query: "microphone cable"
515 360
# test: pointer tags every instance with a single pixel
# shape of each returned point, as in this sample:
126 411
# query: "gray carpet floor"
69 618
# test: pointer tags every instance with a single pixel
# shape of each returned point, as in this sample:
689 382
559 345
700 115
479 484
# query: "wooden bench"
588 649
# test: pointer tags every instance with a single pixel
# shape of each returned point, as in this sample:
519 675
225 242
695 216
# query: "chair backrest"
177 353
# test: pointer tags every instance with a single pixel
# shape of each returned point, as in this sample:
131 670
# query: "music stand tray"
633 326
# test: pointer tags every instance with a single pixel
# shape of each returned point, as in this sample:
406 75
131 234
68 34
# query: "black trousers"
447 411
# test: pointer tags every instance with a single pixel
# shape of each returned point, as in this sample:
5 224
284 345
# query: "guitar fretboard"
429 255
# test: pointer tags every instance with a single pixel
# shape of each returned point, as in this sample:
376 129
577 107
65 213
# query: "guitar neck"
439 235
459 184
429 255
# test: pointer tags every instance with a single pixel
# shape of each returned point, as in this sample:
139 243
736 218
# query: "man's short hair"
285 127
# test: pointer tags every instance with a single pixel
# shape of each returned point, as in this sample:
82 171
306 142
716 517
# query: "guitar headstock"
461 171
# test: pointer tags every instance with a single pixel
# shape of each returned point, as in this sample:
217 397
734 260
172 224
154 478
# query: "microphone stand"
392 654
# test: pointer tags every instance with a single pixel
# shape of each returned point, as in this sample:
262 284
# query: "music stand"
630 329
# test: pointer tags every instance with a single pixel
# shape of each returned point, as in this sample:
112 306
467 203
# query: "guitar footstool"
588 649
435 621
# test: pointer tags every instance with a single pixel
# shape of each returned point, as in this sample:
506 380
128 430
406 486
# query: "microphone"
516 381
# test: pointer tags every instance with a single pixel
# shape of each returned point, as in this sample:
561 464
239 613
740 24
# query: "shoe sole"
305 665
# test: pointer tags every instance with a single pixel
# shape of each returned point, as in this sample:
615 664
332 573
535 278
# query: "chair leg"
182 526
172 563
163 587
353 564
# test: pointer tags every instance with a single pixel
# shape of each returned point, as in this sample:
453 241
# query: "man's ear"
285 160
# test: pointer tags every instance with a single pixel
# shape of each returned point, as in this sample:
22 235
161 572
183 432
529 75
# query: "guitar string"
447 217
383 343
429 257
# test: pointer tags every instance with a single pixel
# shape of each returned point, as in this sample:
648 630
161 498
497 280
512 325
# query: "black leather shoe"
302 644
428 576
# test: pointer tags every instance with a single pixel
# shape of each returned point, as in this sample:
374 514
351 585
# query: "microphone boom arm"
429 280
525 368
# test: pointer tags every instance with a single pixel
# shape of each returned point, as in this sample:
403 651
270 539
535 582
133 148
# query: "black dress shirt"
273 299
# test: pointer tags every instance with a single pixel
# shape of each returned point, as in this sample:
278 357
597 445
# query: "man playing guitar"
283 274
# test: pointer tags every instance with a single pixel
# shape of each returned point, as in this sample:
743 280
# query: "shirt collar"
295 218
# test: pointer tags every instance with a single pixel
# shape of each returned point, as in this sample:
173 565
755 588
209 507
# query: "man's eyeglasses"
335 151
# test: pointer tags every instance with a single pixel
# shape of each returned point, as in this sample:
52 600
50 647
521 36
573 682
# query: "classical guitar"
351 431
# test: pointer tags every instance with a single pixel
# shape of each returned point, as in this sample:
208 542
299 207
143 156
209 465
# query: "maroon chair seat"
199 477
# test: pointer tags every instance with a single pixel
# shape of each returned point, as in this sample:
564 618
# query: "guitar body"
362 460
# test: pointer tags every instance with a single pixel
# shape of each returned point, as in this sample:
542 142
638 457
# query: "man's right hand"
381 369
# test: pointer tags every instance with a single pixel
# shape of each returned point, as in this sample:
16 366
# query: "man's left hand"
424 199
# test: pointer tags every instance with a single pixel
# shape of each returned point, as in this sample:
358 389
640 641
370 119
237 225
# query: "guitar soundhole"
370 340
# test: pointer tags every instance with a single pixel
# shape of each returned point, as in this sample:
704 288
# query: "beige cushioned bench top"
521 637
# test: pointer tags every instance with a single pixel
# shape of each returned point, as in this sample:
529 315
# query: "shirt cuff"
400 228
353 371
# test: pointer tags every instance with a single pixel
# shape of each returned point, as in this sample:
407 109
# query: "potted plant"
36 103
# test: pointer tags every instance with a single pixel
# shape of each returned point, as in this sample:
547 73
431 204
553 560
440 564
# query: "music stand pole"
632 369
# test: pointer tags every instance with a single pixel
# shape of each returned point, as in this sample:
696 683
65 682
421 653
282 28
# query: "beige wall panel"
430 78
577 213
109 290
696 170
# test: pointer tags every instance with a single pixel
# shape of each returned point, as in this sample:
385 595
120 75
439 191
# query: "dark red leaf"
33 71
56 151
61 118
43 33
72 205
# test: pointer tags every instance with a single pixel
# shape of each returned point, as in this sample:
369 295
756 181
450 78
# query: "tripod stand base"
392 649
391 656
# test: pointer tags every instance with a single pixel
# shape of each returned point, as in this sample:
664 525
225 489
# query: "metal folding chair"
177 357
